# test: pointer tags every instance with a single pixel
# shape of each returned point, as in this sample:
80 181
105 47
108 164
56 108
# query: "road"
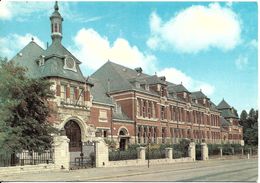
212 170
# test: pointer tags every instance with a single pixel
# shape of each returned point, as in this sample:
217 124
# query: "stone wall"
27 168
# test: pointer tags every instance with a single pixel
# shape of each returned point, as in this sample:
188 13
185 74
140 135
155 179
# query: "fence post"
204 151
242 151
192 151
233 151
101 154
168 153
221 152
141 153
61 152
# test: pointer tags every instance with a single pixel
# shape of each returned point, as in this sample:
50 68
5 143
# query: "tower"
56 24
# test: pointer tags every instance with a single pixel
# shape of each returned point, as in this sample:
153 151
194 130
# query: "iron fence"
117 155
26 158
155 154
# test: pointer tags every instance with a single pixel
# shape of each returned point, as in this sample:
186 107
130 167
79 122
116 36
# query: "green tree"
250 126
243 118
23 110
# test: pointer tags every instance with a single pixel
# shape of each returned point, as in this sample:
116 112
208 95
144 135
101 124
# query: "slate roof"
53 65
54 62
26 58
224 122
180 88
99 93
223 105
227 113
198 95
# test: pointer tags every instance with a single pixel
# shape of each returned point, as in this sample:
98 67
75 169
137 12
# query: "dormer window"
204 101
41 61
137 85
146 87
70 64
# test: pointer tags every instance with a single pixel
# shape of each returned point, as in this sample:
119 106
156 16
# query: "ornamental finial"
56 7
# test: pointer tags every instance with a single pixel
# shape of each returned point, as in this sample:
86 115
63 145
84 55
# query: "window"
105 133
149 110
163 135
144 110
162 112
72 93
138 107
55 27
81 97
63 92
153 110
102 116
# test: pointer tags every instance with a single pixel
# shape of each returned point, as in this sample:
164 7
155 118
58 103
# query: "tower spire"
56 24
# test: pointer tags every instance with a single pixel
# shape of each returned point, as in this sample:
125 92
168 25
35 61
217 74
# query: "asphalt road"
212 170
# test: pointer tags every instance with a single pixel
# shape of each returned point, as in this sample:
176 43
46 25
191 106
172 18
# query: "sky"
208 46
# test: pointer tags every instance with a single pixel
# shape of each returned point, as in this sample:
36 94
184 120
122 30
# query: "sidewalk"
103 174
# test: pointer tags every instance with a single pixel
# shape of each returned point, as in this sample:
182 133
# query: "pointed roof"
198 95
223 105
180 88
26 58
224 122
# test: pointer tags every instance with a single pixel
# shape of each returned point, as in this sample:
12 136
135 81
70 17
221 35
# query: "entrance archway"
124 138
73 132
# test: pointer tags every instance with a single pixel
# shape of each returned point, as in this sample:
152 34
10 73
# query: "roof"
180 88
99 93
224 122
198 95
54 63
26 58
227 113
223 105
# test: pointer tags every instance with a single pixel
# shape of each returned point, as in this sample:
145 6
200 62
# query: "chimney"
139 70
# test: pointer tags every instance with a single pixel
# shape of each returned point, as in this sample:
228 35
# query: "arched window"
55 27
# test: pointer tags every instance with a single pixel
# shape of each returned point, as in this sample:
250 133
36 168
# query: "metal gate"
86 158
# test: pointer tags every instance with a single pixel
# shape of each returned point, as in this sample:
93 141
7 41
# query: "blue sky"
204 45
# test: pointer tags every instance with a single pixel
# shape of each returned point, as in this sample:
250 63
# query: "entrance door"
73 132
122 144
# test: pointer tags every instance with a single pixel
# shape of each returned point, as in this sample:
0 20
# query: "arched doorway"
123 139
73 132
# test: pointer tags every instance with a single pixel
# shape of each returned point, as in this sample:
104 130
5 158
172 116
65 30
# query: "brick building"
123 104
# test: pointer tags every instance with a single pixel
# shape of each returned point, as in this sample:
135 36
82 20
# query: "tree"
23 110
243 118
250 126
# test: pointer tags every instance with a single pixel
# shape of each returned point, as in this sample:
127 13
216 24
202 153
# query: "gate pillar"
168 153
204 151
192 151
61 152
141 153
101 154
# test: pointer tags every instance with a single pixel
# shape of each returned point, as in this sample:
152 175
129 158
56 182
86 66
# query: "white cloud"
94 50
241 62
12 43
5 12
176 76
23 11
195 29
